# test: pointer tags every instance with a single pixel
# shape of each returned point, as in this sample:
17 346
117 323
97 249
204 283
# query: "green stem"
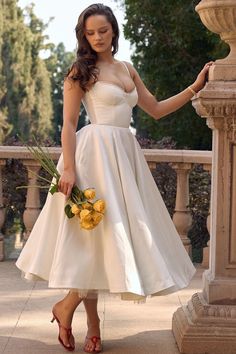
40 177
32 186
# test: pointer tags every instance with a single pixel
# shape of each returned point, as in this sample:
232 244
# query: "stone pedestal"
207 324
200 328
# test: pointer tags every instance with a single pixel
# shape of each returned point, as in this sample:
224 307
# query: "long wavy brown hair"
84 68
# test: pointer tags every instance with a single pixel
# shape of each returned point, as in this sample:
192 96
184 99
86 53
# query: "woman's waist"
111 118
108 125
102 128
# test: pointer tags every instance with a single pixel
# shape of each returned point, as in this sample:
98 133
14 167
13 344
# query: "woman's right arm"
72 95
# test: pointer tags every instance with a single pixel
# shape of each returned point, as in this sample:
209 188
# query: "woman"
135 251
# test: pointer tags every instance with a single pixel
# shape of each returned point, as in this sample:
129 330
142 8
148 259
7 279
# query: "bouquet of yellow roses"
80 202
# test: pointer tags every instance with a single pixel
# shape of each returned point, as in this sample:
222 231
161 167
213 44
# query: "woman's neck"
105 57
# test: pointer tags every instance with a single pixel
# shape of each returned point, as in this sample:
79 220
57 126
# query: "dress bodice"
107 103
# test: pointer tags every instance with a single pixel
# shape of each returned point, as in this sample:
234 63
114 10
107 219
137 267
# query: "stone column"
207 324
182 217
2 213
32 206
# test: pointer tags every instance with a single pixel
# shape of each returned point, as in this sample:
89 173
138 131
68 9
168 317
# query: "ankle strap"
67 329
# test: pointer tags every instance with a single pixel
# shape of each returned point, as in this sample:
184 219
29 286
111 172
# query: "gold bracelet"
192 90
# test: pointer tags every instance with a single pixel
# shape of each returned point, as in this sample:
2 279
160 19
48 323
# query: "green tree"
26 91
5 127
58 64
171 46
41 84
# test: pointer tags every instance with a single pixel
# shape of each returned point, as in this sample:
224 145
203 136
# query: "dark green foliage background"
171 45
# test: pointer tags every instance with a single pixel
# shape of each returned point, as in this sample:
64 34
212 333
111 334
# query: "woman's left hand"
200 81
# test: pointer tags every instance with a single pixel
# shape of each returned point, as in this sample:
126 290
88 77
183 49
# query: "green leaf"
68 211
75 189
53 189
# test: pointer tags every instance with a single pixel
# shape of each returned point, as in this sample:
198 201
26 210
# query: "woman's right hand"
66 182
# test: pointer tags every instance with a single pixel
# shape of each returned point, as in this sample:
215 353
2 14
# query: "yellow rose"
99 205
89 193
87 206
87 225
97 217
85 215
75 209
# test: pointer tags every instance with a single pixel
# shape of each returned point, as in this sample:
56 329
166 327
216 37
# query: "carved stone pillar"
2 213
219 279
207 324
32 206
182 217
205 261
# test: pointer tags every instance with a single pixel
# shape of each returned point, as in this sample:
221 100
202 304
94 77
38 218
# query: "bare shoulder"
131 68
70 83
143 91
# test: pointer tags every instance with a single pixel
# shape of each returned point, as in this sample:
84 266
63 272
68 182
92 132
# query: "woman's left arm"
158 109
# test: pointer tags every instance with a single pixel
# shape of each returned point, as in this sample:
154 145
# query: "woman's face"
98 32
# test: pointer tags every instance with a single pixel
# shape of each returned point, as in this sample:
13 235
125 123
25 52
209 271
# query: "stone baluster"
2 213
205 260
182 217
152 165
207 323
32 206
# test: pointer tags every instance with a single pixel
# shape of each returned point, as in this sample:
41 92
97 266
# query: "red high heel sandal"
68 332
94 339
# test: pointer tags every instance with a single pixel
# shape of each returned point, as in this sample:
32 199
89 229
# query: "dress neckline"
111 83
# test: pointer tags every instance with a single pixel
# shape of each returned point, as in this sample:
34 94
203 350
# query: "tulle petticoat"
95 293
89 293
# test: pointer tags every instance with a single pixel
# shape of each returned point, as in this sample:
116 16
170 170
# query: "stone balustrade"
182 161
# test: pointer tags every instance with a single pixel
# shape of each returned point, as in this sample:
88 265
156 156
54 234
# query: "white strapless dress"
135 251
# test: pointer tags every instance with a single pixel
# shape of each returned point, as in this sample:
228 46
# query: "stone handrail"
155 155
181 161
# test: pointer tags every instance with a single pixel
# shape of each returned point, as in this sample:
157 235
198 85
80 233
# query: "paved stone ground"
126 328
